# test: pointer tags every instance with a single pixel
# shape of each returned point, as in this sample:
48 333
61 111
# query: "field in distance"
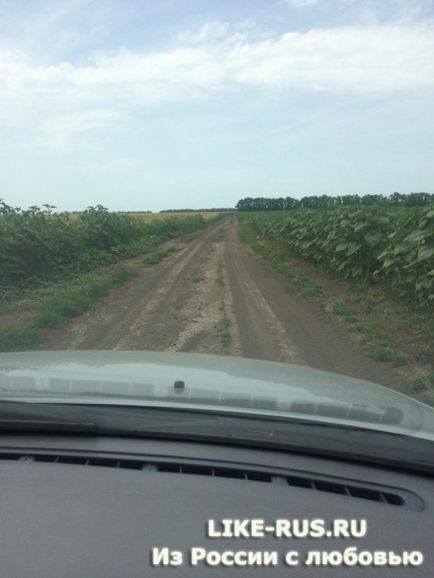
151 216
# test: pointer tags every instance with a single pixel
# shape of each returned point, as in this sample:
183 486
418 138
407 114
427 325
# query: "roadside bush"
37 244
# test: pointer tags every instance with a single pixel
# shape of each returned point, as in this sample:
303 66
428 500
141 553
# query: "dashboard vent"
284 477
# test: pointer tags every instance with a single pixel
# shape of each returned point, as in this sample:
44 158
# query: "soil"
215 295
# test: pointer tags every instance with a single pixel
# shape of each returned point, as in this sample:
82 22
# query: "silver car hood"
210 382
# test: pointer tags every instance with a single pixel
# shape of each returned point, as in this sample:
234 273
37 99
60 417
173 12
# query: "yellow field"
152 216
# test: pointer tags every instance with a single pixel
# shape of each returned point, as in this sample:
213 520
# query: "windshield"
220 208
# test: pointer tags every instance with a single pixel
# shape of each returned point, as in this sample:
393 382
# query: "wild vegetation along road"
215 295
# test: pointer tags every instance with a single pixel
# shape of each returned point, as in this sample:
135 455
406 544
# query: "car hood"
209 382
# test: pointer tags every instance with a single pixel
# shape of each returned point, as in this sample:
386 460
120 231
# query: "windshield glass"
219 207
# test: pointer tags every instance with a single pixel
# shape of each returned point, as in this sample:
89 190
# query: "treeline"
214 210
319 201
37 244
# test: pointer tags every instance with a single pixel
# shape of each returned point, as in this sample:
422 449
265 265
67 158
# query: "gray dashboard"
96 507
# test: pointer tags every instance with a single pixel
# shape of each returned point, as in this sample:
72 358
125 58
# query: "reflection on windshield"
253 387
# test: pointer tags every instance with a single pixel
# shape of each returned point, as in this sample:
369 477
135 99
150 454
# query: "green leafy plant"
38 244
391 245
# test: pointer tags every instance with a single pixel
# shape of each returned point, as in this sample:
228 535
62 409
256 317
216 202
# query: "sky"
160 104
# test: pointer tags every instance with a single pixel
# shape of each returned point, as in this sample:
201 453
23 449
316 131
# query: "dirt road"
215 295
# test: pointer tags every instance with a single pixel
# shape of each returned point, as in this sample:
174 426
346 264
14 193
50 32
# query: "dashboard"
84 506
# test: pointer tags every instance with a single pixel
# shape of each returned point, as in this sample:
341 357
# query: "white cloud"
60 131
302 3
219 57
217 31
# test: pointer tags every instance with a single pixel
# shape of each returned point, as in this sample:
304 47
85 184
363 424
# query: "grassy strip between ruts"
159 256
224 327
378 344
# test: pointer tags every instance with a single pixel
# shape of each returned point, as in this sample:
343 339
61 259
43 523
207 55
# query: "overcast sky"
157 104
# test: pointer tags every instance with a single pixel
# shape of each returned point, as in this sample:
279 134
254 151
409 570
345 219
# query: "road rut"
215 295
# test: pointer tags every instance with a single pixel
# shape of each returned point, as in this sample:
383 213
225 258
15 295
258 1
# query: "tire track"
262 334
217 296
